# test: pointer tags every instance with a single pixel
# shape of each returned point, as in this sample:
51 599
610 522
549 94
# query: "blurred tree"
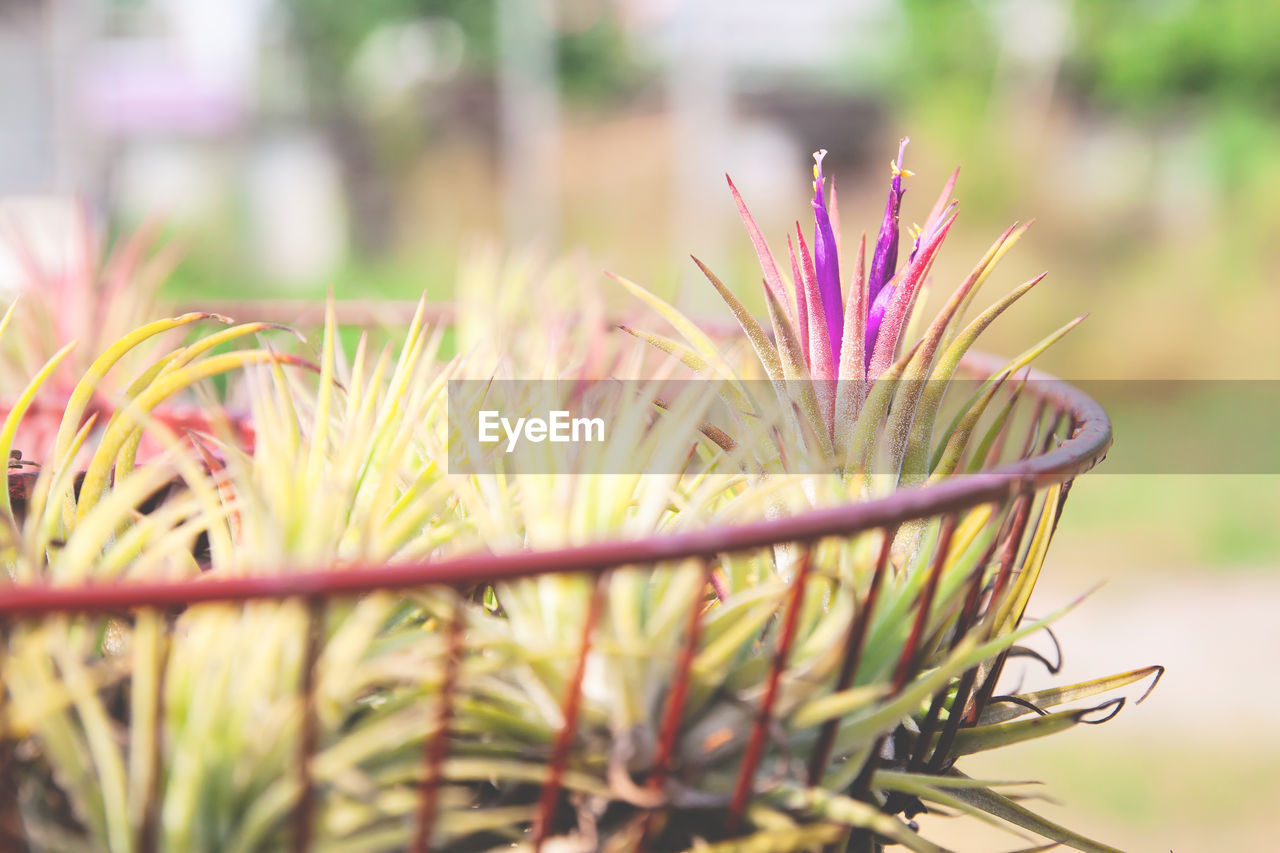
329 34
1213 63
1156 56
331 31
593 62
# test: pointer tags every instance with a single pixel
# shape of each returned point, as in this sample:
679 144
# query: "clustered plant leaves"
181 730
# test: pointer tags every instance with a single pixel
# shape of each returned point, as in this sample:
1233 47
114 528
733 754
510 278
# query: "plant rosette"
616 661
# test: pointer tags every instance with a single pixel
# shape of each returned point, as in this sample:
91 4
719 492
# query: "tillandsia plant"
867 379
869 395
81 304
793 695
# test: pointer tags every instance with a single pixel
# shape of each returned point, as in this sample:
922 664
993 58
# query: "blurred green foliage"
594 60
1150 57
952 47
1211 63
1156 56
331 31
1213 60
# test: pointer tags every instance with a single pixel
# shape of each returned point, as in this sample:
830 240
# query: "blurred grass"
211 277
1138 793
1174 522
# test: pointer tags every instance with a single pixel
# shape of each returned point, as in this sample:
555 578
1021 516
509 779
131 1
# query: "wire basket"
1069 433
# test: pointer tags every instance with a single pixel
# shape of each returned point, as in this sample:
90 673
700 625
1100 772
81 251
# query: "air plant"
183 730
96 294
870 398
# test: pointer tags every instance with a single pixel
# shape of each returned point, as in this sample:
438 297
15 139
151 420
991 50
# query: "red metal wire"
435 748
1079 452
911 652
149 831
572 704
742 789
12 836
669 729
1021 516
908 660
305 806
855 638
677 695
968 614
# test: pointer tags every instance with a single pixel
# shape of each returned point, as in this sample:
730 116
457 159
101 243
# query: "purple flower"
875 316
826 262
884 260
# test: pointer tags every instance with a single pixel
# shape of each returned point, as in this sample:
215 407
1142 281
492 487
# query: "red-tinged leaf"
821 359
903 298
864 438
123 422
119 268
221 478
819 343
851 388
765 349
797 375
773 281
802 302
916 409
940 206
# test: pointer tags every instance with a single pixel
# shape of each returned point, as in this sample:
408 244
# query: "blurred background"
296 145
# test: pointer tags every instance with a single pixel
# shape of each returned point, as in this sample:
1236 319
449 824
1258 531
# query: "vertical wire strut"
677 695
572 704
855 639
755 742
12 836
435 747
149 831
907 661
307 740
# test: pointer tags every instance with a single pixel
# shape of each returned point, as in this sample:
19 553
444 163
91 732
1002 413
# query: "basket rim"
1087 444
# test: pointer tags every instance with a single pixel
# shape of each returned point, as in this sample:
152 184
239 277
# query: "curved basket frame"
1012 488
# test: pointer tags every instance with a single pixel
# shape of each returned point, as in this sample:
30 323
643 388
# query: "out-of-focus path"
1195 766
1218 634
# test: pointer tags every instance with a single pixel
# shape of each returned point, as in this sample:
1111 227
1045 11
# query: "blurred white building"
155 105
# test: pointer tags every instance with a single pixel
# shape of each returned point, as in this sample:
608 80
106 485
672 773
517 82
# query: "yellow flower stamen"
817 166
